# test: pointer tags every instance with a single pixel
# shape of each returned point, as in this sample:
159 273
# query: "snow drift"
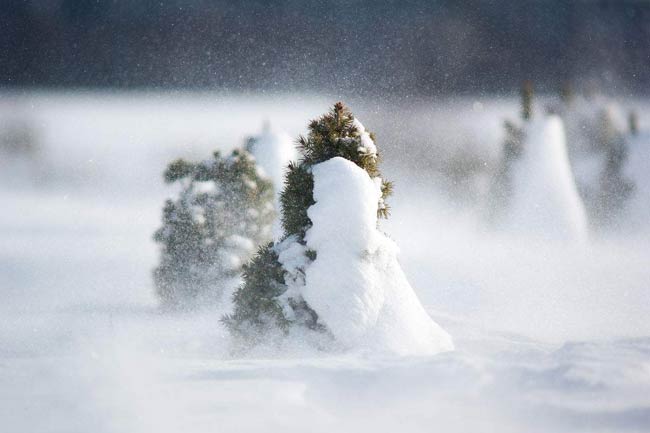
367 302
545 196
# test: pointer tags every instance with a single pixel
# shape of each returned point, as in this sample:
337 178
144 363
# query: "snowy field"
549 335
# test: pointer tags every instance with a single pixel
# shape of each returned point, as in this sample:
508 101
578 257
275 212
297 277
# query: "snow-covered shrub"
545 199
501 188
534 190
598 140
273 150
334 274
614 188
223 212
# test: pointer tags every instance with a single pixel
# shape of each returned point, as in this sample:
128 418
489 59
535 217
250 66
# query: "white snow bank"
545 197
273 150
356 285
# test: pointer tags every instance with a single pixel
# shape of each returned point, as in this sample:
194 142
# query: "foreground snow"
117 370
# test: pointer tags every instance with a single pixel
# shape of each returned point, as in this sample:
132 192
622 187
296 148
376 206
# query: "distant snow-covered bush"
273 151
534 190
223 212
598 140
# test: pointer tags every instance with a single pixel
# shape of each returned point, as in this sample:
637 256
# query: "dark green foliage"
335 134
501 187
178 169
614 187
256 303
527 100
513 144
592 132
295 199
223 211
566 94
633 122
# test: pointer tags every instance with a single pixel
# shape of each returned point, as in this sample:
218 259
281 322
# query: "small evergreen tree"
224 210
594 132
501 187
264 301
614 188
527 100
633 122
567 96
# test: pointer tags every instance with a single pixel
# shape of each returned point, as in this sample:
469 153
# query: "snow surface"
545 198
355 285
549 336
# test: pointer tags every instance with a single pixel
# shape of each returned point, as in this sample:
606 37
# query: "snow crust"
545 196
356 285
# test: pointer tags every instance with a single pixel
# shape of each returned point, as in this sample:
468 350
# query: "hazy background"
421 47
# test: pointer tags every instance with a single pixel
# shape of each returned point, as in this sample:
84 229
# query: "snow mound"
273 150
367 303
545 196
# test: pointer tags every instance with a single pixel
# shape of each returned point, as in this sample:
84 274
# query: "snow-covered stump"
333 280
545 199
